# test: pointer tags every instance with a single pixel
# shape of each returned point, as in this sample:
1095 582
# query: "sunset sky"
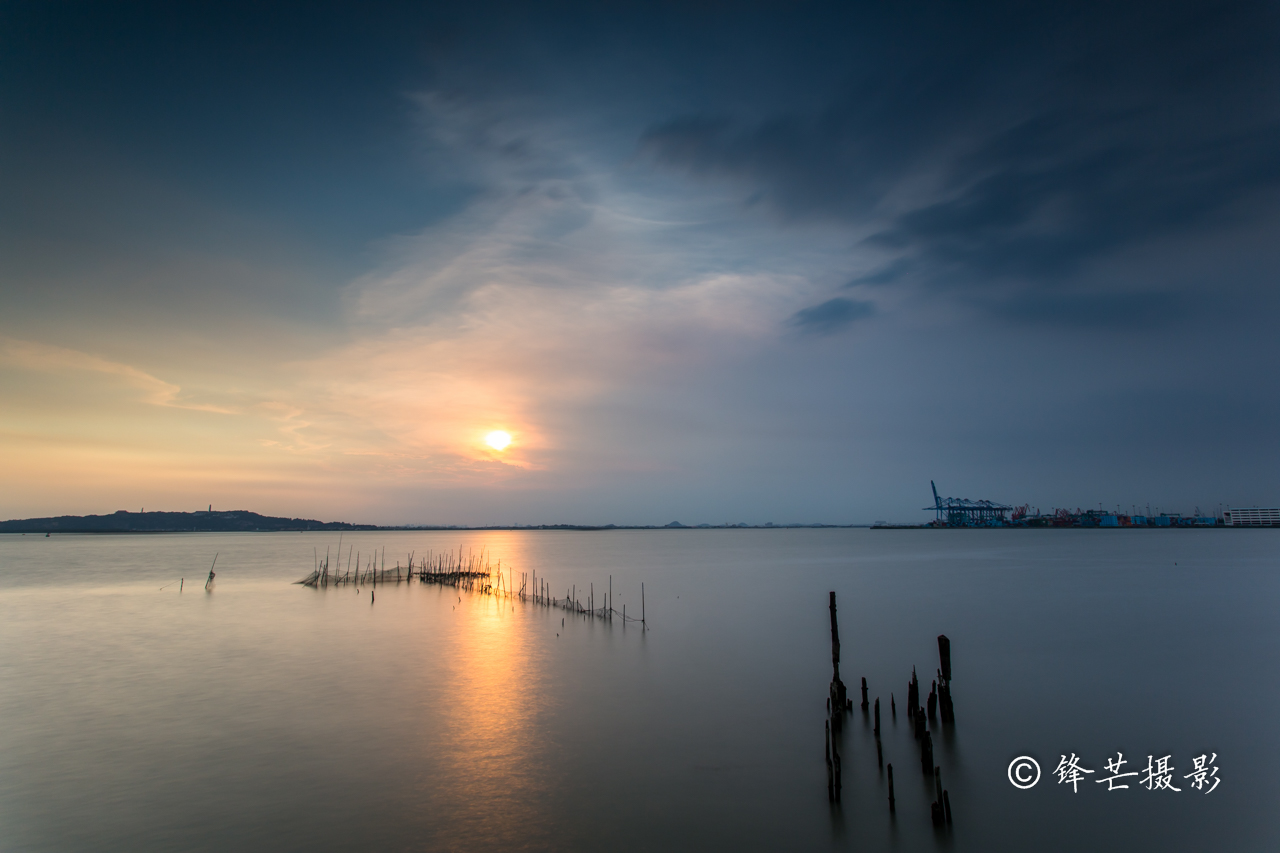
713 262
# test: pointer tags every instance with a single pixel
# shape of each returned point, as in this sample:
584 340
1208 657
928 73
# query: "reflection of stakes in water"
472 573
892 805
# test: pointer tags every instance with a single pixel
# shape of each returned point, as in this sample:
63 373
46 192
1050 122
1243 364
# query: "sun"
498 439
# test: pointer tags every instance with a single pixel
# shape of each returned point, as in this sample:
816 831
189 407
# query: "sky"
707 262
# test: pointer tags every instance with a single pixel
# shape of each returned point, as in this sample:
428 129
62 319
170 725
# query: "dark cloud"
1064 199
1128 311
1022 154
831 316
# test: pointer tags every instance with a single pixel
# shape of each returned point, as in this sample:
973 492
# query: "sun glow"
498 439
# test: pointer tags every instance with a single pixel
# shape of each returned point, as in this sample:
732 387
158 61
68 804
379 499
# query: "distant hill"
124 521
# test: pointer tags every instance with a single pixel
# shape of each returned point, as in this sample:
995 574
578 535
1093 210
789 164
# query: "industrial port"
963 512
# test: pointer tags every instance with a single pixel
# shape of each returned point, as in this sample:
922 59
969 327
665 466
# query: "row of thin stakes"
472 573
938 702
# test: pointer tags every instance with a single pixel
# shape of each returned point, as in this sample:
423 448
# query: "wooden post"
864 693
838 693
944 681
642 619
877 728
946 806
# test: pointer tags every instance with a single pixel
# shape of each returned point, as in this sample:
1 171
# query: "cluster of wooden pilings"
472 573
922 717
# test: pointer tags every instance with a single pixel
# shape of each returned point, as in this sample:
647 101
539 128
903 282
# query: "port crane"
962 512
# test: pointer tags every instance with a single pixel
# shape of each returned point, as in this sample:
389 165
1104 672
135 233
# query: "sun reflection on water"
487 709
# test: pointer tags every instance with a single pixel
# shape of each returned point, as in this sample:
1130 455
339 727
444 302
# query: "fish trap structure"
472 573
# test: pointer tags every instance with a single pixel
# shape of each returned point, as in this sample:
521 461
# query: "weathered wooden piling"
946 806
893 706
944 680
877 727
864 693
892 807
926 754
839 698
933 701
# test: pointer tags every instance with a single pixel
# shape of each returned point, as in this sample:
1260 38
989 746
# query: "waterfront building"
1252 517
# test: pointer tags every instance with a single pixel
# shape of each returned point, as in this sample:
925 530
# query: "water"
268 716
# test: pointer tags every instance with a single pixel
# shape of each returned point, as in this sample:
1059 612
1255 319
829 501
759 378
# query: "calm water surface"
268 716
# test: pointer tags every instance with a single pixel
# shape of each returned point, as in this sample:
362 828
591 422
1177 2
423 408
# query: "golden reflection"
493 694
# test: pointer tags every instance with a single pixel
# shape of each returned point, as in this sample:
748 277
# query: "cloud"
31 355
999 164
1063 197
561 288
831 316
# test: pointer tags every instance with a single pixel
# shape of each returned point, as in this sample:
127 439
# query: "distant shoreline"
243 521
580 528
585 528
